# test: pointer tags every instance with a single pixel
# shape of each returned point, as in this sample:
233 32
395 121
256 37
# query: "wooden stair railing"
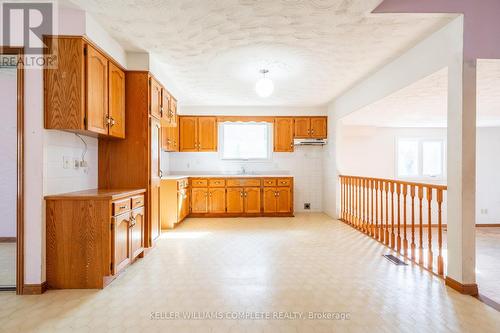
373 206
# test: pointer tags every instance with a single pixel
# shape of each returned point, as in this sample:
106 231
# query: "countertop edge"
114 194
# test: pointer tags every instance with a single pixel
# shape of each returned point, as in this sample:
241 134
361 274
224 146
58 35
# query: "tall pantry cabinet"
135 161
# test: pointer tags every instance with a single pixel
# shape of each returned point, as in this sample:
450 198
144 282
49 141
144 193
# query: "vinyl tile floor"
304 274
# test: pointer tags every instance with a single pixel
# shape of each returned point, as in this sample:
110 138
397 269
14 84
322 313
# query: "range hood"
309 142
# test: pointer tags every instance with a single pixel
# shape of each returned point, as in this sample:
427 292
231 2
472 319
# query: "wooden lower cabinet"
199 200
234 200
174 202
92 236
270 202
252 200
217 200
241 197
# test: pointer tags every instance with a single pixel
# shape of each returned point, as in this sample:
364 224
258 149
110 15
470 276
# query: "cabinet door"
234 200
173 111
283 196
155 98
174 136
154 203
165 106
199 200
283 134
137 232
217 200
319 127
97 91
165 138
188 133
186 201
182 205
270 204
302 127
207 134
64 86
120 242
252 200
116 101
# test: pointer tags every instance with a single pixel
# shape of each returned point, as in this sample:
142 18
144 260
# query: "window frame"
270 137
420 167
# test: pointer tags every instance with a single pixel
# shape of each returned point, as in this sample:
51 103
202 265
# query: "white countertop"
176 177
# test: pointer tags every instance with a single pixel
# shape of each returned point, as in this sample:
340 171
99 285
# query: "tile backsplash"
60 174
305 165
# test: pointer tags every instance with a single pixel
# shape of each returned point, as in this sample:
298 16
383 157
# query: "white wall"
371 151
61 145
487 175
305 164
8 147
440 50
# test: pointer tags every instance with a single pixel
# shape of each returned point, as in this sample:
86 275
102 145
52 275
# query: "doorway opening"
11 170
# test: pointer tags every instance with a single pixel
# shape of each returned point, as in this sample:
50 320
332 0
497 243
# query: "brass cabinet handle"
112 122
122 207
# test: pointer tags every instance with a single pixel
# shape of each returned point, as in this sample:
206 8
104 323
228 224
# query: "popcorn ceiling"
314 49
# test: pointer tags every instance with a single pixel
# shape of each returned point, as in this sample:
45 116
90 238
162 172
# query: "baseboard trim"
466 289
34 289
8 239
491 225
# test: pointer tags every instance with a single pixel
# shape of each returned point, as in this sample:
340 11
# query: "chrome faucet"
243 171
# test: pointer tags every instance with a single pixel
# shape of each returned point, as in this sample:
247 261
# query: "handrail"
405 182
382 209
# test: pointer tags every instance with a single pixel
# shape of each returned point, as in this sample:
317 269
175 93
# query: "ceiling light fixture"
265 86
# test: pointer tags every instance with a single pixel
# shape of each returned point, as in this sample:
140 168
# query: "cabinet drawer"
269 182
199 182
137 201
182 184
121 206
217 183
284 182
237 182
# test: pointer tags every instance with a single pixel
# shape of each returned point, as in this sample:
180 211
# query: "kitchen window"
245 141
420 158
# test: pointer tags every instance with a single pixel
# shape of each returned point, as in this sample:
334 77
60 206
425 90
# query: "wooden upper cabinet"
165 106
302 127
116 101
283 134
198 134
85 90
155 99
64 86
319 127
173 111
188 134
207 134
97 91
311 127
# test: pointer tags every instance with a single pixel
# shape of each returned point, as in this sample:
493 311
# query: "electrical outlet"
484 211
67 162
307 206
